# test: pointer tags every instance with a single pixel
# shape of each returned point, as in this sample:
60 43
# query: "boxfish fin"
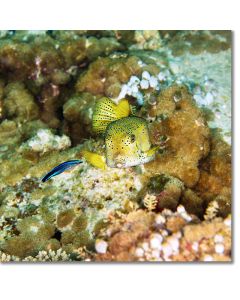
106 111
133 109
152 151
95 159
61 168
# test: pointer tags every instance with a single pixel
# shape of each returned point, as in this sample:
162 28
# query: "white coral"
45 141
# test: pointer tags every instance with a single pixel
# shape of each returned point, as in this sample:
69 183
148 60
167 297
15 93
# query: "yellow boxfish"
126 138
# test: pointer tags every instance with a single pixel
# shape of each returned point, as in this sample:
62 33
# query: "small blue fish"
61 168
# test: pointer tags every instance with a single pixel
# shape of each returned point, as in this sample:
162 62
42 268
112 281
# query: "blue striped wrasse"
61 168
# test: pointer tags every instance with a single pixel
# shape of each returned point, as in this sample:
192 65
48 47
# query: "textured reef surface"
176 207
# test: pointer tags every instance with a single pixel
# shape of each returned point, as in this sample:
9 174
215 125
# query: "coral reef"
45 141
196 42
19 104
174 208
166 236
105 75
215 177
184 126
78 112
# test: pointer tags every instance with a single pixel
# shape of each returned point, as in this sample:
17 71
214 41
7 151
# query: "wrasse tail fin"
106 111
61 168
95 159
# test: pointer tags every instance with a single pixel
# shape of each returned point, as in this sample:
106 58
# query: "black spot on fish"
133 138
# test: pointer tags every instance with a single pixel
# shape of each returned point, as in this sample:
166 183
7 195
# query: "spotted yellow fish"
126 136
126 139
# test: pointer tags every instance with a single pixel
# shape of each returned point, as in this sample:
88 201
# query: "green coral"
19 103
67 237
82 239
35 226
65 218
80 223
9 211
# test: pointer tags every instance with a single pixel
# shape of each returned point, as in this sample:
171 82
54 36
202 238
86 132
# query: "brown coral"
78 112
137 226
105 75
167 236
215 176
165 192
187 134
19 103
65 218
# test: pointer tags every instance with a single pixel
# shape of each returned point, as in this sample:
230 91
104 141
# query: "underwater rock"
196 42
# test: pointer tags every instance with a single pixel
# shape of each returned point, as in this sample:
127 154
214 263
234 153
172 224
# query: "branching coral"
44 256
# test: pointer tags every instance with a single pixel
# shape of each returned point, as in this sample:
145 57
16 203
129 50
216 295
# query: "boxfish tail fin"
61 168
95 159
106 111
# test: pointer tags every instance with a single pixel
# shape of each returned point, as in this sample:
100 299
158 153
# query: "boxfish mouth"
127 163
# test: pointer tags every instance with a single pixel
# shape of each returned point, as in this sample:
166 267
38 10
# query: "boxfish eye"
133 138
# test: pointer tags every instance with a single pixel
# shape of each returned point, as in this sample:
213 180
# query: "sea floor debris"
176 207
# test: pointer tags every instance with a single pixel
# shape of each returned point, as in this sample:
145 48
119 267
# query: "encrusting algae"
108 152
